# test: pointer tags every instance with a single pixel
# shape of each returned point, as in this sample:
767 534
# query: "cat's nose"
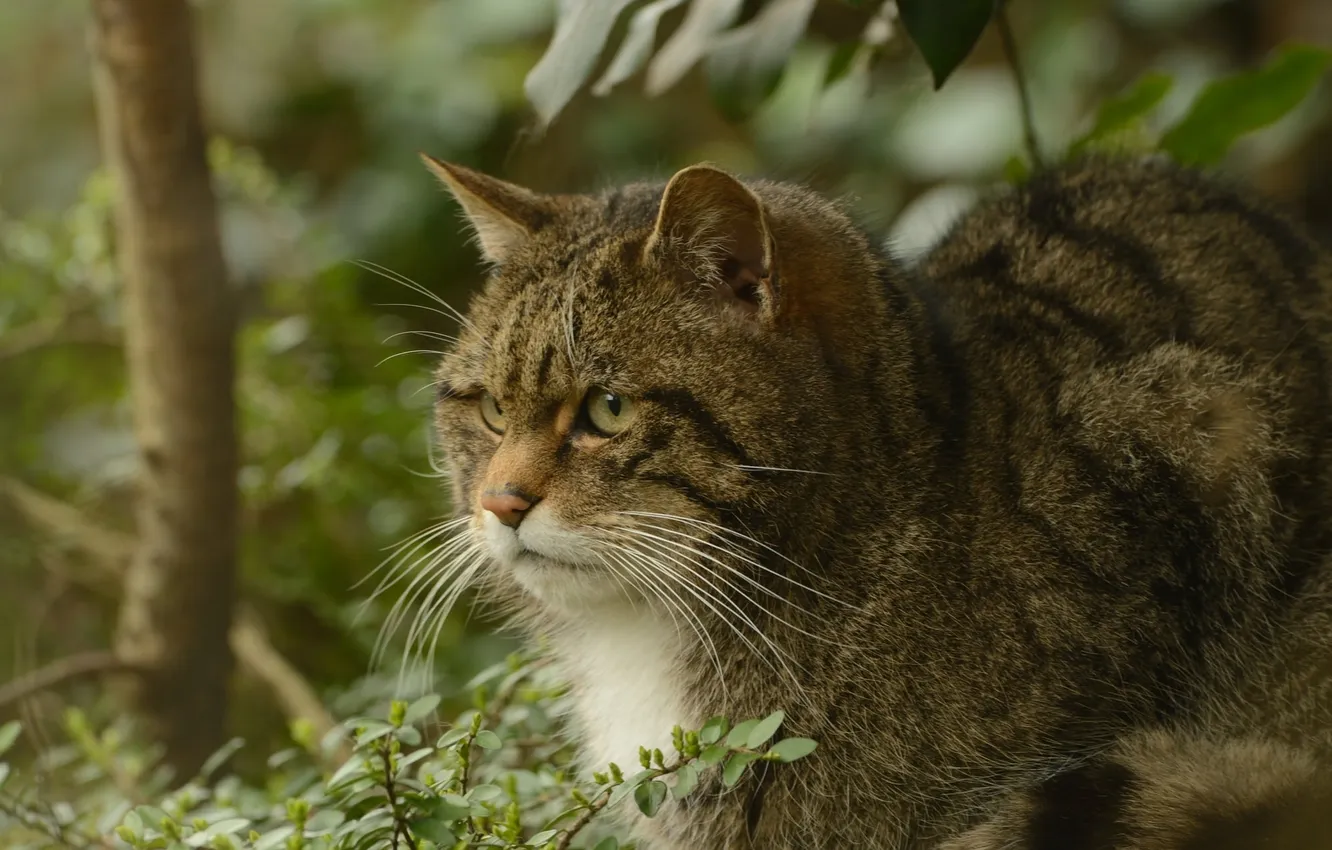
507 506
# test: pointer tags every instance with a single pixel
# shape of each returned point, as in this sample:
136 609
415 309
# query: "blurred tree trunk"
179 325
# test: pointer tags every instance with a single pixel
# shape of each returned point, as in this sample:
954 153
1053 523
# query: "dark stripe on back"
1050 209
995 267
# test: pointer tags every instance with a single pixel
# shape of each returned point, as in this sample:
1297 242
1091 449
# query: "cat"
1032 537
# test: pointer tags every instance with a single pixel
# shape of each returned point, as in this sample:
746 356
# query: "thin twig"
61 671
400 828
1024 94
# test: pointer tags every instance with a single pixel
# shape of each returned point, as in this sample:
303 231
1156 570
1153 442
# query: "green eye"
608 413
491 413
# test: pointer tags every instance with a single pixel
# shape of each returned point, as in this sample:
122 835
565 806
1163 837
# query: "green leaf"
543 836
434 830
324 820
1230 107
134 823
764 729
487 740
1123 110
735 766
4 773
610 842
945 31
686 780
649 796
746 64
9 733
713 730
580 35
220 757
564 815
636 46
740 734
630 785
1016 169
422 708
695 35
450 807
840 63
483 793
791 749
713 755
451 737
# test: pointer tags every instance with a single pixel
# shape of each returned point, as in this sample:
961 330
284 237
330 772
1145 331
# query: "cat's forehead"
583 313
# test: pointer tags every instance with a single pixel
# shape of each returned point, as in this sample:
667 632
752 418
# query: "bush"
500 775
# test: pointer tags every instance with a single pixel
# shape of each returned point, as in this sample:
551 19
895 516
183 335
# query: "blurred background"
316 111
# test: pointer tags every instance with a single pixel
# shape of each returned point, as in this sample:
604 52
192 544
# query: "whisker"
729 604
405 352
749 560
722 529
738 573
427 334
752 468
705 640
397 277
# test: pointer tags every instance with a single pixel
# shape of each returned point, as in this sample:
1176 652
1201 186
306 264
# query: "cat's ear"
715 225
504 216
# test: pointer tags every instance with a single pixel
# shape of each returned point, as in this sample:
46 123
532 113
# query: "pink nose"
508 508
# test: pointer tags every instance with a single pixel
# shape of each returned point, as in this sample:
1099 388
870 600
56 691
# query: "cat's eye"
491 413
608 413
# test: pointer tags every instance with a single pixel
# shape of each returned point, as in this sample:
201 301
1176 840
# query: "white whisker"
752 468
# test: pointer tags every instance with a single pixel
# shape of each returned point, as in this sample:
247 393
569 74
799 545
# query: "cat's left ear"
503 215
718 228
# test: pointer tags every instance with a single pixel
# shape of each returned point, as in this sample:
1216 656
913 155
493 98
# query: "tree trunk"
179 326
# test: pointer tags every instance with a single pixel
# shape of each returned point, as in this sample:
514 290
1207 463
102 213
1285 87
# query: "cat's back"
1164 338
1106 258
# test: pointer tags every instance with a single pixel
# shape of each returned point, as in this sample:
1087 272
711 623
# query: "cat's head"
653 383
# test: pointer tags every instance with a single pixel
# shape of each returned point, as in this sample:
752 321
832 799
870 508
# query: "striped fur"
1033 539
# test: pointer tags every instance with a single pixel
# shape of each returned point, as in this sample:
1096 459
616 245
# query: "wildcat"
1032 538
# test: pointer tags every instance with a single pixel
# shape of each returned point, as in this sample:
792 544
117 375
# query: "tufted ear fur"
719 229
502 215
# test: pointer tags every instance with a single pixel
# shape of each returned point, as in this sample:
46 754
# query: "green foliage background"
318 109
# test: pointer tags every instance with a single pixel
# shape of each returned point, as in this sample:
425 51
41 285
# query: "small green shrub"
500 775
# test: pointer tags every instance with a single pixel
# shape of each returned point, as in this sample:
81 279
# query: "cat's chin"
563 587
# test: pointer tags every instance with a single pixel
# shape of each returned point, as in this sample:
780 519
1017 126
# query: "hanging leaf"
1242 103
945 31
690 42
580 34
422 708
686 780
9 733
840 63
649 796
636 47
735 767
1124 110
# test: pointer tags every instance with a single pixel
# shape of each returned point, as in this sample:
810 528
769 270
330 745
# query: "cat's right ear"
503 216
717 227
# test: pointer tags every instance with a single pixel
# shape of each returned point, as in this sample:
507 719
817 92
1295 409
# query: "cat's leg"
1163 791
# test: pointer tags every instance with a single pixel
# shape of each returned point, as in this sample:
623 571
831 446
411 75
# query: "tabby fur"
1032 538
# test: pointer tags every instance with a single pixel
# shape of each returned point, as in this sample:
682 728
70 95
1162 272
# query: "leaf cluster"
498 776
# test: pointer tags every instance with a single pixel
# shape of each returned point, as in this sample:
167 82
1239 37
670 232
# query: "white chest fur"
623 666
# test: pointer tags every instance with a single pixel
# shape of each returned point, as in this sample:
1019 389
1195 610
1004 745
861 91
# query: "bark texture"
179 321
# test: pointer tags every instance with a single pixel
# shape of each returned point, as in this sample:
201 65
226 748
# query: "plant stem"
1024 94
